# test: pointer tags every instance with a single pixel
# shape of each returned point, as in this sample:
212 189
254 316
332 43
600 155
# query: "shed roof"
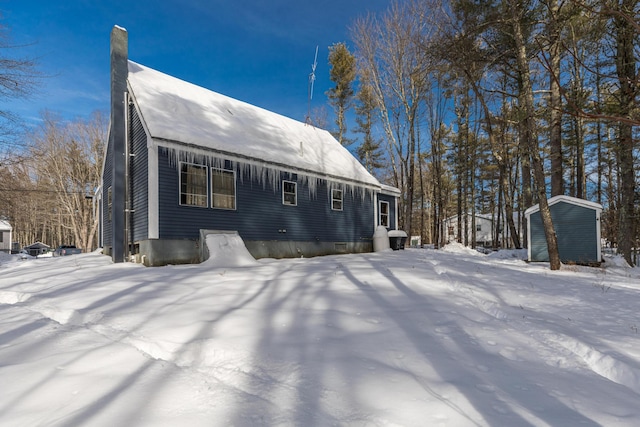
178 111
37 245
565 199
4 225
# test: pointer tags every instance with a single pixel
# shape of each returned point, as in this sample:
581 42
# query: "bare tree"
68 158
399 77
19 77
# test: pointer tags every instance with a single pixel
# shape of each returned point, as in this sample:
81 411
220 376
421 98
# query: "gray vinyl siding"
138 173
576 232
260 214
392 210
107 181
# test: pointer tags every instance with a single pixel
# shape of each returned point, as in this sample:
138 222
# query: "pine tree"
369 151
343 74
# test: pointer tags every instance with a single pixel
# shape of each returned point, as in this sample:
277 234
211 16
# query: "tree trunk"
627 78
531 141
555 103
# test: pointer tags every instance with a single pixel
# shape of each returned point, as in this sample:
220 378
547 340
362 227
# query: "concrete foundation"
157 252
283 249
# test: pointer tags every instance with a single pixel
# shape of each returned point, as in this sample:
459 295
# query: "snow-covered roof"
4 225
567 199
387 189
37 245
488 217
181 112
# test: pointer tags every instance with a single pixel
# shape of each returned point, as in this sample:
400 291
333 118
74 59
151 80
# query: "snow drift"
227 250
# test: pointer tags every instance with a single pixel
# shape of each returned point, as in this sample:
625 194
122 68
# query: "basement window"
289 193
193 185
336 199
223 189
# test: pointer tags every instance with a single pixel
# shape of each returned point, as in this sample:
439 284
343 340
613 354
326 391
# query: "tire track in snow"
602 364
561 345
488 306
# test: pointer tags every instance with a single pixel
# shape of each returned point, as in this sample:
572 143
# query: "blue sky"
260 52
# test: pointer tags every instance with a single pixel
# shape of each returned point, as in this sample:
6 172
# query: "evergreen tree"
369 151
343 74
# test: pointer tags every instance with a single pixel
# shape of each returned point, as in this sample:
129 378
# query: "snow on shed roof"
567 199
4 225
182 112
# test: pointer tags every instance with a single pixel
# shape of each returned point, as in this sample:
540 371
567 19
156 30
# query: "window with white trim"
336 199
289 193
193 185
223 189
383 213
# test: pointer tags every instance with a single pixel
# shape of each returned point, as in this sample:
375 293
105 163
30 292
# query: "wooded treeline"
491 107
46 192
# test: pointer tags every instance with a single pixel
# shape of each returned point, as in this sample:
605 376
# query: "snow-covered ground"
408 338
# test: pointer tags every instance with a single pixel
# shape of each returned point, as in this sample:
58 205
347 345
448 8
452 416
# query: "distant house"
5 236
577 226
480 231
483 230
183 161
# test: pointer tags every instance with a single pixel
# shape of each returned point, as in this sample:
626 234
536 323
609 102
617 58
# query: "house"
5 236
37 248
482 235
577 225
486 229
183 161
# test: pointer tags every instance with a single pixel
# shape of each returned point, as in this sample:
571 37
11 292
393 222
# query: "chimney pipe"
117 139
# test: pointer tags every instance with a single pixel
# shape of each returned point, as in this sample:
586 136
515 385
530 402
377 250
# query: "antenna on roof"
312 79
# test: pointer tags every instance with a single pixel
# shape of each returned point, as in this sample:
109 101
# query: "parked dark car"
66 250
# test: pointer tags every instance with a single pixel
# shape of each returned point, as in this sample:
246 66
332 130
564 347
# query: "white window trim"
235 189
206 205
334 199
295 186
380 203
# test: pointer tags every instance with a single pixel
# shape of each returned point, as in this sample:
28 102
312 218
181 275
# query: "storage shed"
577 225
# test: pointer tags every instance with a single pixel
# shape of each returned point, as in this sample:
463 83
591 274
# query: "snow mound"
67 316
227 250
615 261
459 248
10 297
4 257
520 254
